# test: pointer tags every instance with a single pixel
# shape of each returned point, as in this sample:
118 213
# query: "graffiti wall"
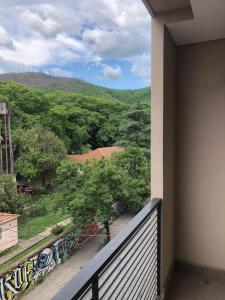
19 279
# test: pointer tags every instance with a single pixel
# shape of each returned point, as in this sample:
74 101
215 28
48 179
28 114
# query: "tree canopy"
82 122
89 189
48 125
38 153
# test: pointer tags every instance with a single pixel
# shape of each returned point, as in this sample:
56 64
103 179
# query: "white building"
8 230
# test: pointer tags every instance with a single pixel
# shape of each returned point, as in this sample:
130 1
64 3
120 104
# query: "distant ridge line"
51 83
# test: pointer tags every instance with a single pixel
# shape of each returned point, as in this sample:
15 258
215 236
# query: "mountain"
51 83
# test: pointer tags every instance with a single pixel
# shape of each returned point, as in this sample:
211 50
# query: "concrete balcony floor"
187 286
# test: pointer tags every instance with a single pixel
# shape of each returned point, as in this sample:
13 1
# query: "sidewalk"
57 279
23 245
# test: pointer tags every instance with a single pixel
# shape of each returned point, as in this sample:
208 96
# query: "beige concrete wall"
200 154
162 139
9 235
169 150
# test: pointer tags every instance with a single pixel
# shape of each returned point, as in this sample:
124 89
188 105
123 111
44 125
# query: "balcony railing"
128 267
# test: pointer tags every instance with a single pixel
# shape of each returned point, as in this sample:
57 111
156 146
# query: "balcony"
187 170
186 285
128 267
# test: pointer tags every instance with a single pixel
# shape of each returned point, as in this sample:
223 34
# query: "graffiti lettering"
16 281
25 275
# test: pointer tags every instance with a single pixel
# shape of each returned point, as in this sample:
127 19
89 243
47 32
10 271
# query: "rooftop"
97 154
5 217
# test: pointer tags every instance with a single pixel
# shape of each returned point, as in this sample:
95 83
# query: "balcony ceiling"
206 23
162 6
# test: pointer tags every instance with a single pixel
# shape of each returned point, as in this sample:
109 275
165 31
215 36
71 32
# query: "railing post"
159 221
95 294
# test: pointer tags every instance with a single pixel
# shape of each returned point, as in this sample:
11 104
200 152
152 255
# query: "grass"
10 250
32 249
44 216
23 254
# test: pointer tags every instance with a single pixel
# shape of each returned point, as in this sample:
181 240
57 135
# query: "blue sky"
105 42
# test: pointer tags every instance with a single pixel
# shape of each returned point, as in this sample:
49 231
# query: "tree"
39 153
106 186
10 200
136 165
88 190
136 129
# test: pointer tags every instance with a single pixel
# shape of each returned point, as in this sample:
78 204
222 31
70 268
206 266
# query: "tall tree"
88 190
10 200
39 153
136 129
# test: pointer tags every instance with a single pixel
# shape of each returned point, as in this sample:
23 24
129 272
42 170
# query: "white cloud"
120 28
5 40
111 73
141 65
58 72
48 20
86 31
35 23
29 52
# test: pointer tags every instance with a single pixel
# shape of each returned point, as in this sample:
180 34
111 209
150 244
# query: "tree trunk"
32 207
44 180
107 231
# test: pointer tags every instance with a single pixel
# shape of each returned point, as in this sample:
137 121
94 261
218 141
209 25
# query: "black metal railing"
126 268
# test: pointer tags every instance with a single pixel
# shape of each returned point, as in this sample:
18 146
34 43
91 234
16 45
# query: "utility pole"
6 149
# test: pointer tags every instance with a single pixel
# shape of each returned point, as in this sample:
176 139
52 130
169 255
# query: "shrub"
57 229
40 279
10 200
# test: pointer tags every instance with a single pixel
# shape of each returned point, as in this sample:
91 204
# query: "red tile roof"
5 217
97 154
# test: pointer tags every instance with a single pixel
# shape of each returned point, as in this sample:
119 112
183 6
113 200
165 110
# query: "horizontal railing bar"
83 279
86 292
137 246
152 291
145 271
150 285
141 236
127 270
136 233
137 273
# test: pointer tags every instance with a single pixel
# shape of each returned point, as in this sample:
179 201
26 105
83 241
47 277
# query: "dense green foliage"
48 124
10 200
38 152
81 122
88 190
52 84
87 89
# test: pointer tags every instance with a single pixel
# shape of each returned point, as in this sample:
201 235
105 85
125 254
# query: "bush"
40 279
10 200
57 229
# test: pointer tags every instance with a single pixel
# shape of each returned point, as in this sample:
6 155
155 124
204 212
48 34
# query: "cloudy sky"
106 42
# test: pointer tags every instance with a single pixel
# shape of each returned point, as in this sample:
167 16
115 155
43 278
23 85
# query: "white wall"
200 156
9 235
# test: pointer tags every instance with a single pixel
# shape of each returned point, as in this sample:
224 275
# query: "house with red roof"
8 230
97 154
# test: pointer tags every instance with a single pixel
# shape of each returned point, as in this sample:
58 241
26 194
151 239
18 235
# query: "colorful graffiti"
17 280
25 275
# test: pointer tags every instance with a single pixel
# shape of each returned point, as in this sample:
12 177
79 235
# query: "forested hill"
51 83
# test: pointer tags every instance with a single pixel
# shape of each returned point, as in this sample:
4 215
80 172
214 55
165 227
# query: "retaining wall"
22 277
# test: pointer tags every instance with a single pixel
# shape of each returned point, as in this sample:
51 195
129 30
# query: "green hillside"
51 83
78 86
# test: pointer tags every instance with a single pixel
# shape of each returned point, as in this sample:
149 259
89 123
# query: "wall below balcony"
200 154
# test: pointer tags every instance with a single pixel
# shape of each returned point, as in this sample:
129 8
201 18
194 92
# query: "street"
64 272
